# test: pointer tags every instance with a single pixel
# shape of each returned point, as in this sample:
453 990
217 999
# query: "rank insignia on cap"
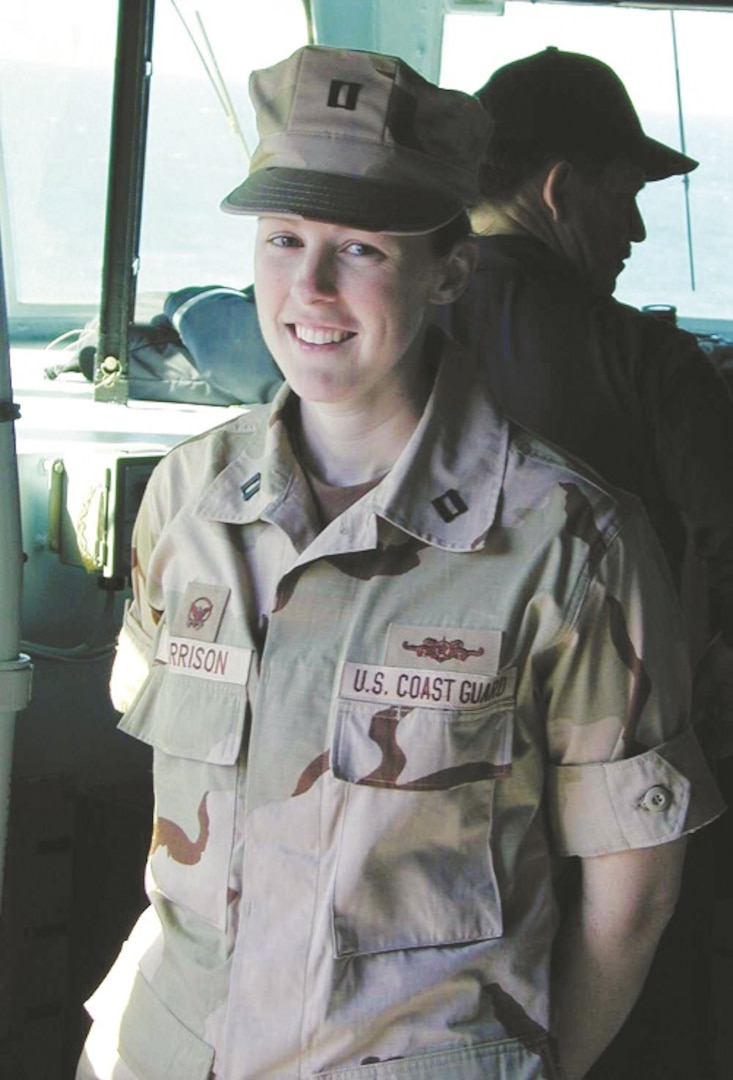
343 95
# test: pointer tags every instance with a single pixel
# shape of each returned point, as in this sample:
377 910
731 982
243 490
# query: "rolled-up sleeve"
636 802
626 769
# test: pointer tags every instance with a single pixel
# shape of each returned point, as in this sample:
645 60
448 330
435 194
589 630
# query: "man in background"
630 394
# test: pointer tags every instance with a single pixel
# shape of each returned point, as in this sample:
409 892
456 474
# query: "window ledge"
64 410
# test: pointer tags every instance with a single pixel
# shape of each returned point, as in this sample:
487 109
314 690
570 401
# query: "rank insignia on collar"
250 487
450 505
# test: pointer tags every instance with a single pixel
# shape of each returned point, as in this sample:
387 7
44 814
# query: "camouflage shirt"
373 741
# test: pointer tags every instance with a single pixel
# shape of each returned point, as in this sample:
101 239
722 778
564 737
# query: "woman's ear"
555 189
457 267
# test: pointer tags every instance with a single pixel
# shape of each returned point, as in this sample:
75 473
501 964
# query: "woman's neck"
346 444
344 448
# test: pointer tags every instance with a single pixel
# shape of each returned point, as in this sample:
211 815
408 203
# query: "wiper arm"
683 148
208 59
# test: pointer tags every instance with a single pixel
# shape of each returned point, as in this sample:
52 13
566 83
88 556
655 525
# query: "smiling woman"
442 631
344 313
379 640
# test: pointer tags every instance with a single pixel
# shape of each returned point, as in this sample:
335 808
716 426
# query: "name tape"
204 660
413 687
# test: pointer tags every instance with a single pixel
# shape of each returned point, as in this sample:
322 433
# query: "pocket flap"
188 717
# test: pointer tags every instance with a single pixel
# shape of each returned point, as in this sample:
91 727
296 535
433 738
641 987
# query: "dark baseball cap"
565 102
360 139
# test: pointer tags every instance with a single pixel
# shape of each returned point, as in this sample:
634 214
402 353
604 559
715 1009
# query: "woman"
392 655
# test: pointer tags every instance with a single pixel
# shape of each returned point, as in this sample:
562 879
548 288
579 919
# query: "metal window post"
15 668
133 68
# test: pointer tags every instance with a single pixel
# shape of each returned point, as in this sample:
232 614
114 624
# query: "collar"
443 489
526 249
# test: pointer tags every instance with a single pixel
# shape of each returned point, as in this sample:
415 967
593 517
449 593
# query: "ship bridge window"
56 75
201 131
676 68
57 63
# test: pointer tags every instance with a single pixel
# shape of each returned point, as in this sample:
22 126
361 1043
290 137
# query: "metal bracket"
9 412
16 677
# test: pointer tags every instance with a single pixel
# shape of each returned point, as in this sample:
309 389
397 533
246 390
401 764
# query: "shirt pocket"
196 728
155 1044
414 866
507 1059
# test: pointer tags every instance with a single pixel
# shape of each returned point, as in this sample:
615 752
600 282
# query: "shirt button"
657 799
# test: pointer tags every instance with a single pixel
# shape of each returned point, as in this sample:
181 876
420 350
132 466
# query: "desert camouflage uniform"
372 741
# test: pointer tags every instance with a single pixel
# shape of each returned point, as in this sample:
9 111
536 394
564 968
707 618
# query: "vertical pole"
15 669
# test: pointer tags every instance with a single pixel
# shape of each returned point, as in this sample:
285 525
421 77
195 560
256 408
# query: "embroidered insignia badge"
442 650
199 612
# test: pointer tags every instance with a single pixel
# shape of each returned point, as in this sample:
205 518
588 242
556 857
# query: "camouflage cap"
360 139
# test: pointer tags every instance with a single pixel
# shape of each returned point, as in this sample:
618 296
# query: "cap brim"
659 160
359 202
